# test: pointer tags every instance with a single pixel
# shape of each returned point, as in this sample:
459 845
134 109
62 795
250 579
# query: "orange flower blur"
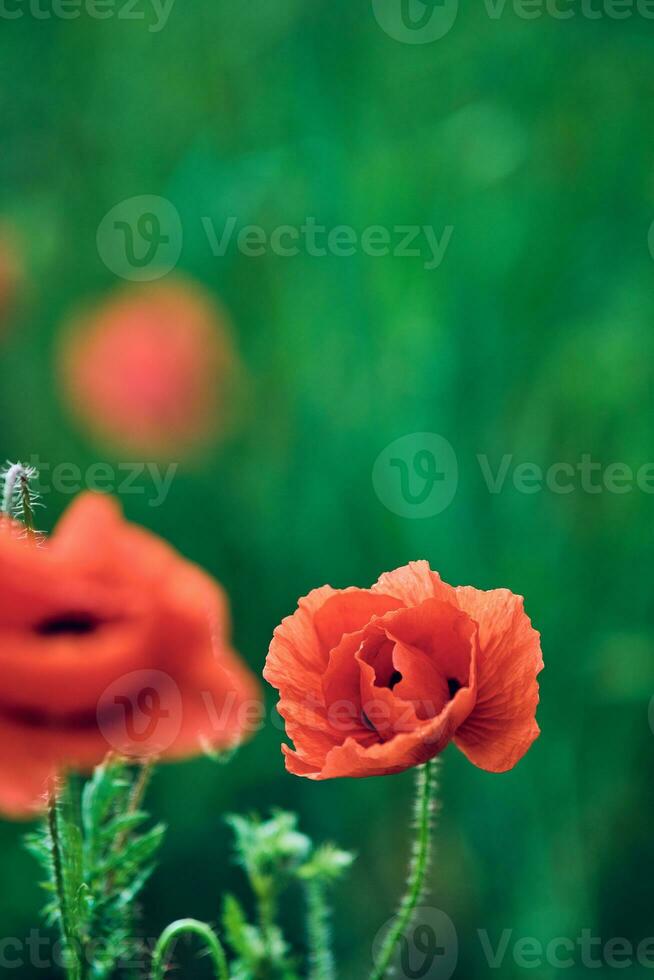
374 681
109 641
148 370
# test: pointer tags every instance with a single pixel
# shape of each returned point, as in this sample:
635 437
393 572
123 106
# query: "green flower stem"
194 927
265 891
321 960
424 808
146 770
72 962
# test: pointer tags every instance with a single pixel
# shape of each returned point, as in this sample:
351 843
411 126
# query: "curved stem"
194 927
420 858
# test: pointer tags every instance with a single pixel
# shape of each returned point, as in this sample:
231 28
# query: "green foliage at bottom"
97 856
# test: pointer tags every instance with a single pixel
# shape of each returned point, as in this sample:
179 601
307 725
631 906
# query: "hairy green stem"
146 769
420 858
26 503
72 962
193 927
321 960
18 499
11 475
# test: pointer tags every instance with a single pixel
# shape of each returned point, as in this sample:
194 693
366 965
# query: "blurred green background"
532 338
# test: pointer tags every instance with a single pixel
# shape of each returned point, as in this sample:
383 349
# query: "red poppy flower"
109 640
373 681
148 371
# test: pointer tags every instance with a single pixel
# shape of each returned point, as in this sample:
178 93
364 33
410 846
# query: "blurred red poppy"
148 371
9 274
374 681
109 640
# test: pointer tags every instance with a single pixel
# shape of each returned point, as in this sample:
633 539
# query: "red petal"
413 583
502 725
298 659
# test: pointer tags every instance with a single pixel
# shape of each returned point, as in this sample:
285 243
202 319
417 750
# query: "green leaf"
327 863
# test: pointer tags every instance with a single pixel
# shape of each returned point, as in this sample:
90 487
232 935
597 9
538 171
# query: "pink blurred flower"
147 371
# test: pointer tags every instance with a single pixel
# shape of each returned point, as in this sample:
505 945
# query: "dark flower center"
394 679
453 686
70 623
